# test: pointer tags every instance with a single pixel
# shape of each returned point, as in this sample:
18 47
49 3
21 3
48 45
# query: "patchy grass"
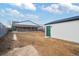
44 46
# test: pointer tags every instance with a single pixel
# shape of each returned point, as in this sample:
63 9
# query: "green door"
48 31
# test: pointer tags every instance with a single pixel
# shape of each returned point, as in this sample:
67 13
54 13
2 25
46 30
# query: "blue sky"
40 13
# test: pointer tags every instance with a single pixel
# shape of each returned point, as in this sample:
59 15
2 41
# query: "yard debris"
14 37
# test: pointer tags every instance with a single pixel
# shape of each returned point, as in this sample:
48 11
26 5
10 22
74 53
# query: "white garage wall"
67 31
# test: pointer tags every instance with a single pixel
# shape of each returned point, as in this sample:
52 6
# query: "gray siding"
3 30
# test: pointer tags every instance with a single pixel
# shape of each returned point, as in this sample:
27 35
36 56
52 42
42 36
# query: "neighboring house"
3 30
25 26
66 29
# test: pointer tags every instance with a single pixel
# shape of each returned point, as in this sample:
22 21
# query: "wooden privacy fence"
3 30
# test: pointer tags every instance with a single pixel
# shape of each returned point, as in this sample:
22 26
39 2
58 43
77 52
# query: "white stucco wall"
67 31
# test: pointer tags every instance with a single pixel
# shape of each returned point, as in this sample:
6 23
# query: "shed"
24 26
65 29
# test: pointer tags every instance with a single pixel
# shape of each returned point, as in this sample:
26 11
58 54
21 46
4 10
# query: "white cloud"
12 11
17 15
28 3
60 7
21 3
25 5
9 11
53 8
71 7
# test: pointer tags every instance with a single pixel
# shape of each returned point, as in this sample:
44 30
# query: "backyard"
44 46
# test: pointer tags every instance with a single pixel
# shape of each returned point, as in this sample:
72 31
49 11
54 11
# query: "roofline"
16 22
64 20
